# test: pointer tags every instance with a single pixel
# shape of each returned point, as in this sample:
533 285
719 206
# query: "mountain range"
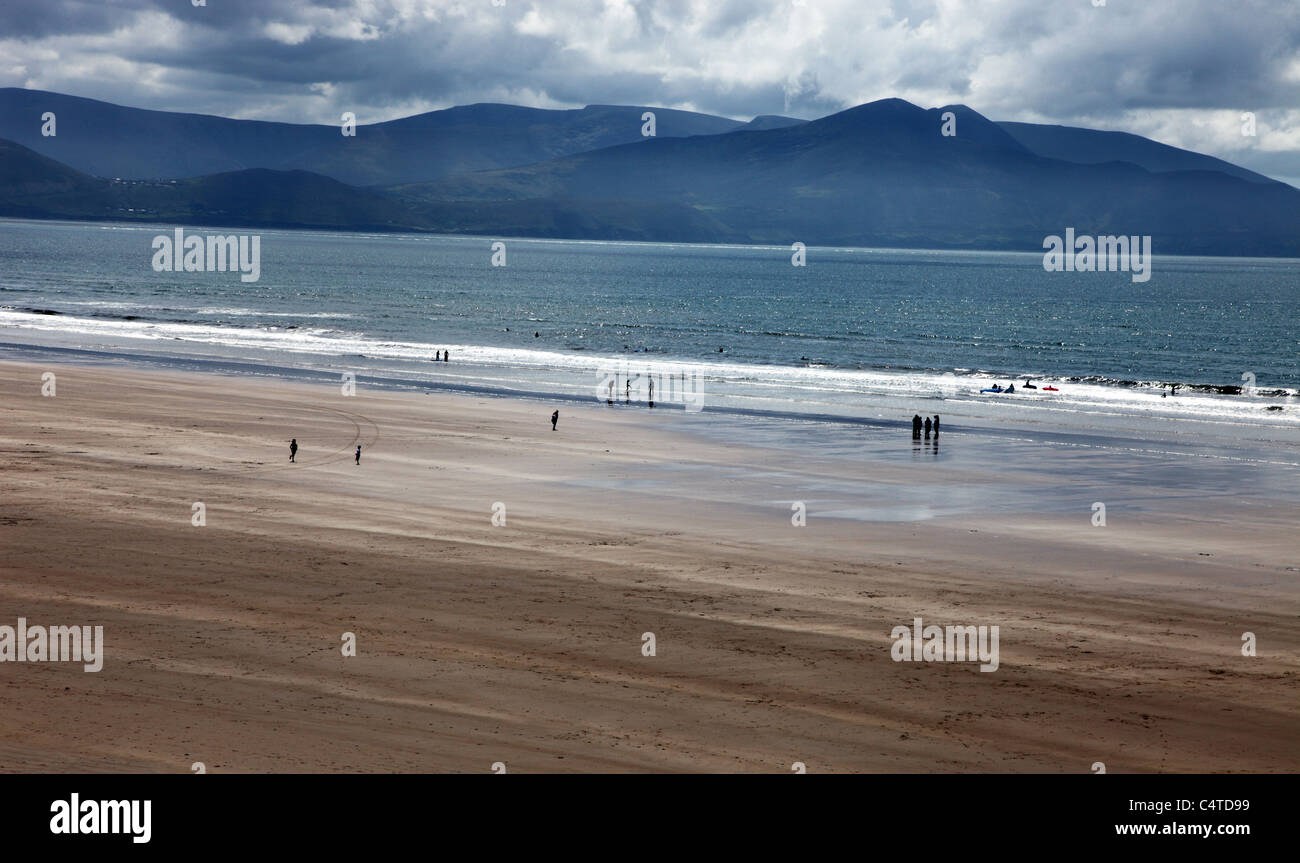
880 174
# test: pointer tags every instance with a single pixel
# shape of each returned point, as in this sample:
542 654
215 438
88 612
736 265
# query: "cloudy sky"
1179 71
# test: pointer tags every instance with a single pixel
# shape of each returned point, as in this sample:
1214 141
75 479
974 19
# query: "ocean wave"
809 381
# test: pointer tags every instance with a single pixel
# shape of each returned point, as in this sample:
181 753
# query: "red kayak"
1050 390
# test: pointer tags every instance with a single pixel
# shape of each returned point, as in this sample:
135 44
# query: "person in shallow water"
916 425
437 356
936 425
555 418
293 449
927 426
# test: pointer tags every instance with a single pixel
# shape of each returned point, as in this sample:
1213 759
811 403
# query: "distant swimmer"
555 418
358 453
1011 388
927 427
537 335
1028 385
293 450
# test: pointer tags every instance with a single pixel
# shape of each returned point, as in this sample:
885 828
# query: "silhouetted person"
936 425
293 450
358 453
555 418
627 399
652 392
927 427
437 356
446 356
916 425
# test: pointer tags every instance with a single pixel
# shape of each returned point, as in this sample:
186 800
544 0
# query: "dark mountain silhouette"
1092 146
110 141
34 186
878 174
882 174
772 121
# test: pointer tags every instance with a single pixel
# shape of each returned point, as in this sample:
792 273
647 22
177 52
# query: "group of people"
927 425
293 451
441 356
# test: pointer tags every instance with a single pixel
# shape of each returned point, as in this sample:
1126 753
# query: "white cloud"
1176 70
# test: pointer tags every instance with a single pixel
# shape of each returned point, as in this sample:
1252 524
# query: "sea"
854 335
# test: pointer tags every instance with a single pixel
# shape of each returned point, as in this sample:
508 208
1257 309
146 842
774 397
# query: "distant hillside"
882 174
1092 147
33 186
772 121
107 140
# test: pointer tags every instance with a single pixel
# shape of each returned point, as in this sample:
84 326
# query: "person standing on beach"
936 425
927 427
358 453
916 425
446 356
437 356
293 450
555 418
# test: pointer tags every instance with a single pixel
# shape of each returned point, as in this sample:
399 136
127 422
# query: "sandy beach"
522 643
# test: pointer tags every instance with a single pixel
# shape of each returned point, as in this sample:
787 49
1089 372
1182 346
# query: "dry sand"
522 643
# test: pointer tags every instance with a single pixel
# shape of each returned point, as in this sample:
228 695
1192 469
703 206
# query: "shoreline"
1088 409
522 643
417 233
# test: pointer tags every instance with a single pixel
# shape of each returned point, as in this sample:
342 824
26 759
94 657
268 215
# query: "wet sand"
522 643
